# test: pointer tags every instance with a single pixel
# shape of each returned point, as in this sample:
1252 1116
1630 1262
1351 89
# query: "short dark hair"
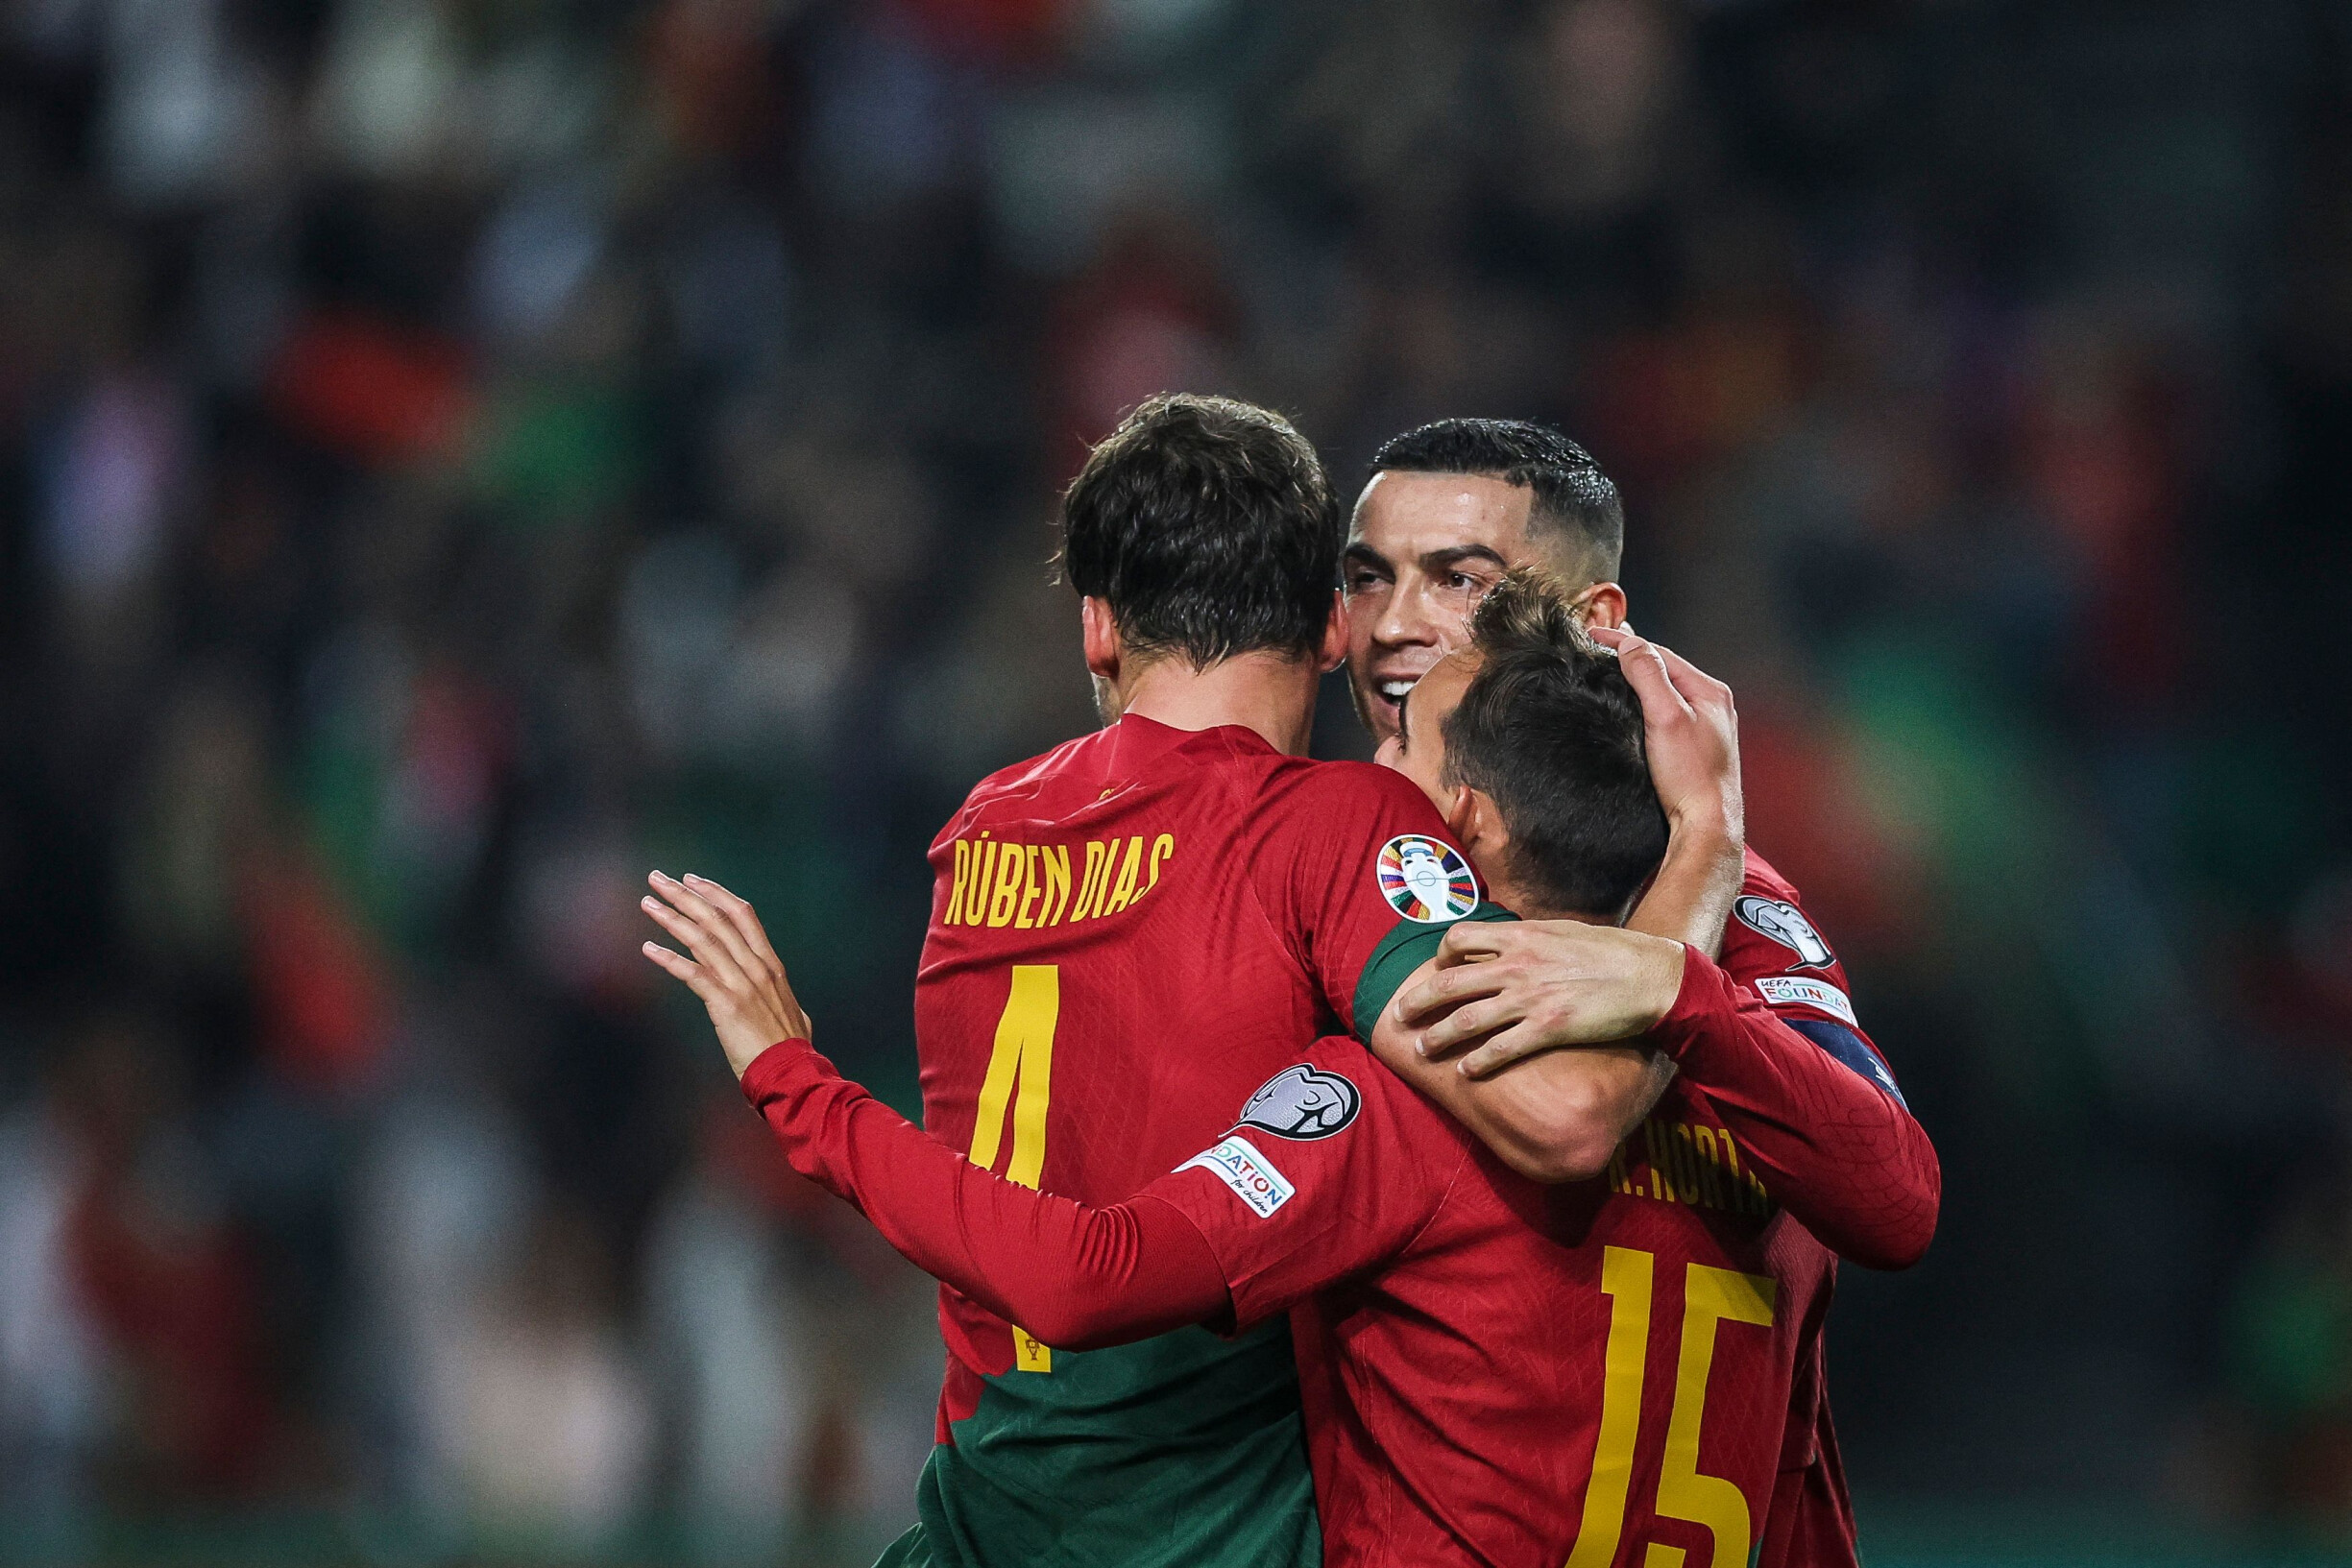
1551 730
1210 528
1572 497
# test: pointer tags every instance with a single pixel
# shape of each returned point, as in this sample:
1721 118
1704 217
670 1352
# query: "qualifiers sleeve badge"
1785 923
1427 880
1301 1102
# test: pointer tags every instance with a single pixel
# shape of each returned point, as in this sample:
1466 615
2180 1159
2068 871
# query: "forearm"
1833 1148
1691 896
1553 1117
1075 1276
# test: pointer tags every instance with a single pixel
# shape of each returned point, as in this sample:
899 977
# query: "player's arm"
1812 1104
1690 735
1553 1118
1075 1275
1322 878
1816 1111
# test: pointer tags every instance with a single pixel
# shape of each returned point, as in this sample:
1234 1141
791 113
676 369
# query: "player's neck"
1529 905
1264 693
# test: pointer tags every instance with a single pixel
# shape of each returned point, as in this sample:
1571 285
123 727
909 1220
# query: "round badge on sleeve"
1427 880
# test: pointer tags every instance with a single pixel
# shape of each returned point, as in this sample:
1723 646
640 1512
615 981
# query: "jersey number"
1021 1071
1710 1297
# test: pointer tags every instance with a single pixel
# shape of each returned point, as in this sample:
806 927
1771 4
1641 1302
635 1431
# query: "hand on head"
1690 729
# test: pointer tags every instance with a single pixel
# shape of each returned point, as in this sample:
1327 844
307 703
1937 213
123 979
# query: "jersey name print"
1129 934
999 883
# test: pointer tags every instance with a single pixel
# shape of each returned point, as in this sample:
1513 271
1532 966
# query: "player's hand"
1691 729
733 970
1514 988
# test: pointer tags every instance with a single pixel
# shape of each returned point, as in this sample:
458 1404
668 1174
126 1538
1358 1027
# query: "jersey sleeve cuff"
1701 1008
781 1069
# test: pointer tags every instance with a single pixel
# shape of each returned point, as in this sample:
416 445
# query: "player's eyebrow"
1360 554
1445 560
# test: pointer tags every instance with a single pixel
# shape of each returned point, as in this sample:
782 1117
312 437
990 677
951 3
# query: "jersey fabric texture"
1513 1374
1811 1524
1342 1181
1128 935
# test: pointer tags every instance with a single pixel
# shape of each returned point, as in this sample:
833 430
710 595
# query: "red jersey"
1773 948
1511 1373
1498 1372
1129 934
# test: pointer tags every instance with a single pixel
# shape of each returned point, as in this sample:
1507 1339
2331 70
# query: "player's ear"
1603 604
1335 633
1478 826
1100 631
1461 813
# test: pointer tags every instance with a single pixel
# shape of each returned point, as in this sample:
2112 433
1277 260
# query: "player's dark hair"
1550 728
1209 527
1574 500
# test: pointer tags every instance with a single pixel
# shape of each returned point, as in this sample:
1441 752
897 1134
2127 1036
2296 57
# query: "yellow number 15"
1710 1297
1021 1071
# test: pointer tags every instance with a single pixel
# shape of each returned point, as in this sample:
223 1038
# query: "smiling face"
1421 553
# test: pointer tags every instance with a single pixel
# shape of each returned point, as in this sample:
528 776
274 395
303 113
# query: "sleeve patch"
1251 1175
1796 991
1425 880
1302 1103
1782 922
1848 1047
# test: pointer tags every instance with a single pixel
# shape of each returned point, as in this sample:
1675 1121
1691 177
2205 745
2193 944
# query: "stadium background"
454 455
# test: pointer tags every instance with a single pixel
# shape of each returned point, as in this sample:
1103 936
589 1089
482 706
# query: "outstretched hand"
1690 731
1515 988
733 970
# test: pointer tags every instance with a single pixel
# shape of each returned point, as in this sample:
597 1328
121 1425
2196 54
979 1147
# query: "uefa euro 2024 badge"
1427 880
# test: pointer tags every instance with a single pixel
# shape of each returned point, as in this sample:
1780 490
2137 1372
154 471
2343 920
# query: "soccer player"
1469 1316
1450 507
1132 932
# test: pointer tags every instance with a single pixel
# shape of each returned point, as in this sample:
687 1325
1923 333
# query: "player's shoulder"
1768 916
1771 946
1339 792
1761 877
1018 785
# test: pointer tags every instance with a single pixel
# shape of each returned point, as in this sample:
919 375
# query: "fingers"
1499 1053
745 920
701 937
1467 1024
1645 668
680 967
718 929
1467 940
1697 687
1446 988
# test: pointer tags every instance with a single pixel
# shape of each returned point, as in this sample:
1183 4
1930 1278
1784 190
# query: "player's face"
1417 748
1421 553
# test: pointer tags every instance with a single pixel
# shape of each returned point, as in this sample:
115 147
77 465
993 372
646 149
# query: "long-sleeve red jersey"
1490 1365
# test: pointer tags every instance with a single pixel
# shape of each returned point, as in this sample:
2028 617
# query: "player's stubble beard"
1106 702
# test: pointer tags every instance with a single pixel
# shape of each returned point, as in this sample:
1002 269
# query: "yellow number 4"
1710 1297
1021 1071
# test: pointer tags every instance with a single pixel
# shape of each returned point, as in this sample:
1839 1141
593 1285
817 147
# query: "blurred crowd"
458 454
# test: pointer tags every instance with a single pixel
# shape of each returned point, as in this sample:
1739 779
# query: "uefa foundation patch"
1427 880
1795 990
1254 1181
